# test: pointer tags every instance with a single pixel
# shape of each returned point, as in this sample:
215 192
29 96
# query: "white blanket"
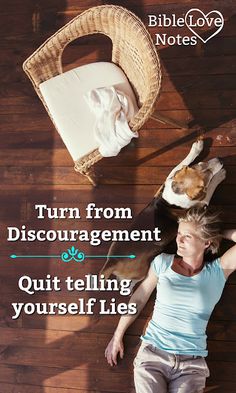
113 110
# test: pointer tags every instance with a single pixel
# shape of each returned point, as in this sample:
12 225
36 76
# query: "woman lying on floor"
172 354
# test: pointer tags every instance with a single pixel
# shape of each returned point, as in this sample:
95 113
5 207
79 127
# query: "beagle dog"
187 186
184 187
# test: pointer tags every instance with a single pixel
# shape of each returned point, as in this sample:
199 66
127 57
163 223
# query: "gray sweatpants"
157 371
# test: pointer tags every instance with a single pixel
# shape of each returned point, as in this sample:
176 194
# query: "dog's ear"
177 184
196 192
180 172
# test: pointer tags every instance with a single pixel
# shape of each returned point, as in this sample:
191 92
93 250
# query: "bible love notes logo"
195 20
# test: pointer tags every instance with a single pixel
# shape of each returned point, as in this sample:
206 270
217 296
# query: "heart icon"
204 20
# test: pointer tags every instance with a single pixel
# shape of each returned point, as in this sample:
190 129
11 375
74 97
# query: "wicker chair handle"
133 51
48 55
89 22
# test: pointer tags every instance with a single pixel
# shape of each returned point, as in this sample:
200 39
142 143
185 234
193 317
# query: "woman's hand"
114 347
140 298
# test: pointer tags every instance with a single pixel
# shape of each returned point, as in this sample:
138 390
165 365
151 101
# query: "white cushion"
63 95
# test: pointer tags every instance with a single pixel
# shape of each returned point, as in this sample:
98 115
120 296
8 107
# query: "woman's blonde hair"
208 223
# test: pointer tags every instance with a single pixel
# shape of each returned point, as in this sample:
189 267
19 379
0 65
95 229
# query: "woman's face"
189 244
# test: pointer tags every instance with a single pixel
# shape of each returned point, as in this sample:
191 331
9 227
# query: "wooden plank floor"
64 354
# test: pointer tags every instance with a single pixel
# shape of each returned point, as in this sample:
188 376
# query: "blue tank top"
183 307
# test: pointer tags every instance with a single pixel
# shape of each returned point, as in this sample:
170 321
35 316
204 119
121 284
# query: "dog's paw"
197 146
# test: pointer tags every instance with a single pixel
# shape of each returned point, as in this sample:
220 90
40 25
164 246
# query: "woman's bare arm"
228 259
140 297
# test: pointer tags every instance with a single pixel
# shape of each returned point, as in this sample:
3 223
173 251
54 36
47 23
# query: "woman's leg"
149 371
190 375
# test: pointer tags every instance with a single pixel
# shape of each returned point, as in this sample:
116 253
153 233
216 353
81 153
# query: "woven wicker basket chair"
133 51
